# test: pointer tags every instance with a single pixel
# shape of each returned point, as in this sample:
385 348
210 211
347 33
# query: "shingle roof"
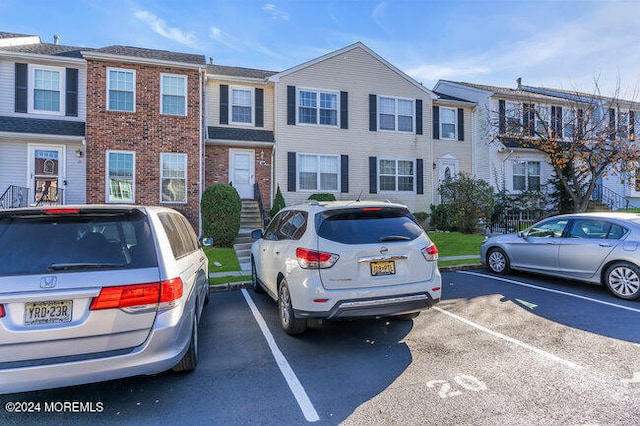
42 126
505 91
13 35
47 49
449 97
232 134
239 72
160 55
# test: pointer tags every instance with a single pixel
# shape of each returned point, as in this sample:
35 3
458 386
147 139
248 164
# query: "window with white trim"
317 107
318 172
173 94
173 177
120 177
46 90
121 93
542 118
569 121
448 123
396 175
396 114
513 115
526 175
241 106
623 125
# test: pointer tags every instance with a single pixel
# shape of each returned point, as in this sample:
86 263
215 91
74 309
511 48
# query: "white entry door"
46 174
242 171
448 169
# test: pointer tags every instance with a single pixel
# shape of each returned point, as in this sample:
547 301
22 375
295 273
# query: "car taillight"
430 253
60 210
128 296
1 311
312 259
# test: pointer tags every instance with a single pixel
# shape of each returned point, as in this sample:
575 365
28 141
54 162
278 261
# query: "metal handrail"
14 197
610 198
52 196
263 213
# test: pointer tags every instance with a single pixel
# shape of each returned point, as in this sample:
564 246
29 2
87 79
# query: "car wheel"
407 317
190 358
498 261
623 280
290 324
255 285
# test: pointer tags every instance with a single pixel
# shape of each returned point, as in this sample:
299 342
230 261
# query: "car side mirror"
206 242
257 234
522 234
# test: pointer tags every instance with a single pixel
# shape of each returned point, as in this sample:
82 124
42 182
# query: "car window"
616 232
548 229
292 226
270 232
179 240
65 243
589 228
368 226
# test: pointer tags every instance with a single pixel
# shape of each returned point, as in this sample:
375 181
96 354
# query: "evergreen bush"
322 197
221 208
278 203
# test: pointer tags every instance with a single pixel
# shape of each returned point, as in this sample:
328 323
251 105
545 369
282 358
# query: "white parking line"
551 290
512 340
292 380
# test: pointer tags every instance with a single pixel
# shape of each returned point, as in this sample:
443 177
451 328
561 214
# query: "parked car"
600 248
345 260
93 293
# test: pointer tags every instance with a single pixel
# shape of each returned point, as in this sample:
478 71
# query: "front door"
242 171
46 174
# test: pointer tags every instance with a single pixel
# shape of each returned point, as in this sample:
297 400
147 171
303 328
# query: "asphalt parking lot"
510 350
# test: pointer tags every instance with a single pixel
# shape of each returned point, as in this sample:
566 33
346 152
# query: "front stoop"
249 220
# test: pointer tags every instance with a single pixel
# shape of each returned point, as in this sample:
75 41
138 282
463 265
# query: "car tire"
255 285
407 317
190 358
622 279
498 261
290 324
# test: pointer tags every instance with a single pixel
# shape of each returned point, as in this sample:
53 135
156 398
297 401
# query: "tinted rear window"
63 243
360 226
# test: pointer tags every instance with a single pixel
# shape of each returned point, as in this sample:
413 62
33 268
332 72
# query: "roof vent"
519 82
210 60
56 39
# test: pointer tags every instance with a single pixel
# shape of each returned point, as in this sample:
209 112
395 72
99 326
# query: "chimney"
519 81
56 39
210 60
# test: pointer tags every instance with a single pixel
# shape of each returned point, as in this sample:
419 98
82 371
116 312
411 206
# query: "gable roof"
47 49
239 72
357 45
4 34
139 54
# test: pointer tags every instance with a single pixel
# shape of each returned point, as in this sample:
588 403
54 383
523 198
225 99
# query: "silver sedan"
601 248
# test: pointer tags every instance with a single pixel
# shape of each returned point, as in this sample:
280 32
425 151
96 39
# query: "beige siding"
213 102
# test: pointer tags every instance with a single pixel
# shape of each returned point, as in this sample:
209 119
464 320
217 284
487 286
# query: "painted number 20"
465 381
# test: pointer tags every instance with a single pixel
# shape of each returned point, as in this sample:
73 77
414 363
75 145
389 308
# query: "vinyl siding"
213 103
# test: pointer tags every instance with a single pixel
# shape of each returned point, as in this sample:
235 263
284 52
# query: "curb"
229 286
455 268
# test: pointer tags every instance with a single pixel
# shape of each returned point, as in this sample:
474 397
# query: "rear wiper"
394 238
69 266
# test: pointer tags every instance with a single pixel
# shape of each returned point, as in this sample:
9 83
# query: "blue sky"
564 44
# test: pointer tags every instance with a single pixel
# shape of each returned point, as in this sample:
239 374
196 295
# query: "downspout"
275 144
201 163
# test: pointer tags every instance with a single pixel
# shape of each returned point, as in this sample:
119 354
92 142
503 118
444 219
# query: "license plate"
383 268
53 312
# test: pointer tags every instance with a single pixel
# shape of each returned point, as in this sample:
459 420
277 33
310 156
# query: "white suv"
343 260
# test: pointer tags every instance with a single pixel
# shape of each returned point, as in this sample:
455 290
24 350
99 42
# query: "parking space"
515 350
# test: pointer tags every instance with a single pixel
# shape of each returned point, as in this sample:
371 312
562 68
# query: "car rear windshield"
367 226
52 243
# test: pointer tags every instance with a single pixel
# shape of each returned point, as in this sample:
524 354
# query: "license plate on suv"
52 312
383 268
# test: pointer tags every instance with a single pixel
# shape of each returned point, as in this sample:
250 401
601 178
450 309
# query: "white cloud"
275 12
236 43
159 26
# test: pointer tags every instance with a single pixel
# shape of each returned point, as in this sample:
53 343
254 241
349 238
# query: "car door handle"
604 245
277 252
552 243
202 259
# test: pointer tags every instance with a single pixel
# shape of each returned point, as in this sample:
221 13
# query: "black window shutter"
528 118
21 88
418 116
612 124
502 117
224 104
344 110
291 171
460 124
259 94
344 174
559 121
436 122
580 129
373 113
420 176
373 175
291 105
553 125
71 96
632 125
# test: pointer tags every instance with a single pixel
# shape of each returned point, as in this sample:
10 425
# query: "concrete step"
243 254
242 246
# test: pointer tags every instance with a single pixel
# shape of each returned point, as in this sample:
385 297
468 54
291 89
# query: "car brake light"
128 296
312 259
1 311
60 210
430 253
371 209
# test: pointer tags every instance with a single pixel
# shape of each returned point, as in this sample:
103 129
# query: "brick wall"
145 131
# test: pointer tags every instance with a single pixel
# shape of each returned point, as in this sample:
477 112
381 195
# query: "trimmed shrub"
221 207
444 217
278 203
322 197
421 216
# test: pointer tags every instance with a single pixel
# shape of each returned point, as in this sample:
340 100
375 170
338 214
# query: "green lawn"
225 256
455 243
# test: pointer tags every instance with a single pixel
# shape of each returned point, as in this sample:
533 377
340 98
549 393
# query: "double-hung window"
396 114
569 120
241 105
513 113
526 175
397 175
173 94
173 177
448 123
318 172
47 93
542 117
121 90
120 177
317 107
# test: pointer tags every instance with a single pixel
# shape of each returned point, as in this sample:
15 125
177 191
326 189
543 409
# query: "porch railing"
611 199
14 197
515 221
263 213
